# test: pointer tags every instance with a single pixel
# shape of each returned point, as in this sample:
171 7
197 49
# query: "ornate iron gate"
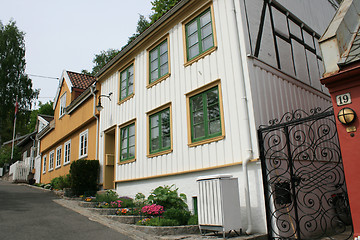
304 184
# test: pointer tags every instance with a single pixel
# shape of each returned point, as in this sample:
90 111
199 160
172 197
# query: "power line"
43 76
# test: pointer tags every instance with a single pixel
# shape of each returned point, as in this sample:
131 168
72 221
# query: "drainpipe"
246 141
92 88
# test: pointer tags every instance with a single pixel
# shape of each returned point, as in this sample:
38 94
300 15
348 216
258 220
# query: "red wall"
348 81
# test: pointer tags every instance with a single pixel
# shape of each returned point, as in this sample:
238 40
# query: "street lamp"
99 107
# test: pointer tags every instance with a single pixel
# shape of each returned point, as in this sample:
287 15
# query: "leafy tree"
142 25
160 7
14 83
44 109
5 154
100 60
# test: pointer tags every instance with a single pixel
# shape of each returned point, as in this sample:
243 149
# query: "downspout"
246 140
92 88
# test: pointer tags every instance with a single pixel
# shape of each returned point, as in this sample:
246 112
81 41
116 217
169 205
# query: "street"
28 213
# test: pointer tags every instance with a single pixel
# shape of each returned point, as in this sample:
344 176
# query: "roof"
47 117
27 138
341 41
79 80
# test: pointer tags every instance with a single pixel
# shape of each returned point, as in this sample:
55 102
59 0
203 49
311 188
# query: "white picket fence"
20 171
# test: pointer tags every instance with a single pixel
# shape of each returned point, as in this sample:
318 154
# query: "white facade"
253 91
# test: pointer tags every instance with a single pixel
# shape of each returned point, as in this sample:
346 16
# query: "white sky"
67 34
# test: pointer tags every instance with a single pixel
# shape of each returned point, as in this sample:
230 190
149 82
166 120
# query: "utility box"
219 203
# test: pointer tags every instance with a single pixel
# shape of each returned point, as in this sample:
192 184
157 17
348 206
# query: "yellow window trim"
148 84
149 113
187 20
188 115
122 126
119 81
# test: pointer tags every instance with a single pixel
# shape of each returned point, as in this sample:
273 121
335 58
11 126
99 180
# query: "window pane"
214 127
193 51
212 97
191 28
154 75
163 48
205 19
154 144
213 112
199 131
166 142
206 31
193 40
132 130
123 153
131 86
154 121
154 132
123 76
198 117
124 143
154 65
132 152
197 103
207 43
131 70
164 69
153 55
132 141
163 59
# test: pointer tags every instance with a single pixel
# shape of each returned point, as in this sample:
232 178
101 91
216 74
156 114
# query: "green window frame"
127 142
199 35
205 115
160 131
127 82
158 61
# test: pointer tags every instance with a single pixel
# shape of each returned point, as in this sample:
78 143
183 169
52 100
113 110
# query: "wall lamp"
346 116
99 107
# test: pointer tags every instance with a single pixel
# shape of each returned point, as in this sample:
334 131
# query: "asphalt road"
28 213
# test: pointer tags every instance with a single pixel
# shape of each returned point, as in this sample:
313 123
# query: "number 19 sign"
343 99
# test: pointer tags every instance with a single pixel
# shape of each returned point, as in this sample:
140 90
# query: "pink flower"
153 210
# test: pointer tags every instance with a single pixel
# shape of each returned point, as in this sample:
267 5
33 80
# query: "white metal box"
218 203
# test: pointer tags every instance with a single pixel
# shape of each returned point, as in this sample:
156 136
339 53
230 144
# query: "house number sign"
343 99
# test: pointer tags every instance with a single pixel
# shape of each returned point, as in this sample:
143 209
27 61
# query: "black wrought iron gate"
304 184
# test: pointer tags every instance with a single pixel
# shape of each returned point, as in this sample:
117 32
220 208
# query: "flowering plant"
89 199
153 210
116 204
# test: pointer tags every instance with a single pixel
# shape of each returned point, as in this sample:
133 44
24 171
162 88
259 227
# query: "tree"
100 60
44 109
160 7
14 83
5 154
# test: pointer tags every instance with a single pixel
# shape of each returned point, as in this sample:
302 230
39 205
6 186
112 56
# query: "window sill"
126 161
50 170
206 141
57 167
158 80
67 163
82 157
127 98
151 155
202 55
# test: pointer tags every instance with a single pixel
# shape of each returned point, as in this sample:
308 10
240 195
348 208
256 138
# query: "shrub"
61 182
126 202
168 197
194 220
108 197
180 215
139 200
84 176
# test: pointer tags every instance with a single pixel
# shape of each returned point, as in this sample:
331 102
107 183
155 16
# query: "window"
62 105
127 83
67 146
158 63
58 157
159 127
127 141
199 35
51 160
44 164
83 144
206 115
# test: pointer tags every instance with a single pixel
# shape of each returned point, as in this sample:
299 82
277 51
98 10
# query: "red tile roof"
81 81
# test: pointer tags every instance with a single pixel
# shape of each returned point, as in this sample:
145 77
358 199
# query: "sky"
66 34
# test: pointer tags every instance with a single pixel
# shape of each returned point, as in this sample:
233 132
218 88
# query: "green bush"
61 182
180 215
168 197
108 197
84 176
158 221
194 220
127 202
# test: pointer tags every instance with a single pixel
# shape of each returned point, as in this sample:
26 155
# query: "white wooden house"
190 92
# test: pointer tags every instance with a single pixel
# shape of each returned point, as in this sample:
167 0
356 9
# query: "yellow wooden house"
72 135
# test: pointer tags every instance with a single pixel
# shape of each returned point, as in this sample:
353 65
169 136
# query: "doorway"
109 159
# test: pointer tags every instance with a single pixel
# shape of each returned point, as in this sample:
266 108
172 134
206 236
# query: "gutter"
92 88
237 37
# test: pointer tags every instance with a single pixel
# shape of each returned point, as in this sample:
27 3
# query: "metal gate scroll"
304 183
